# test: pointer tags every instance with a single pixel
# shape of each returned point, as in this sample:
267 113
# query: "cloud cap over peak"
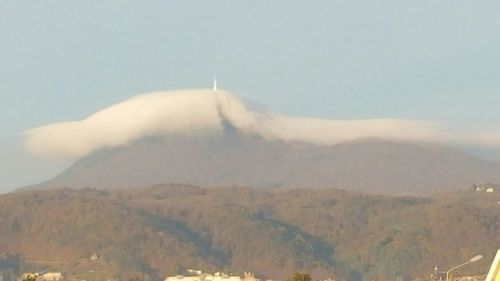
198 112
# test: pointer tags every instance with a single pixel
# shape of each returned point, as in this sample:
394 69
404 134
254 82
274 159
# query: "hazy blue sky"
63 60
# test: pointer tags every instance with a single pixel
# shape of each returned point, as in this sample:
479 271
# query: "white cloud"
201 112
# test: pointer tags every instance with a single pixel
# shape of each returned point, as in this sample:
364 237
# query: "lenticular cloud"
200 112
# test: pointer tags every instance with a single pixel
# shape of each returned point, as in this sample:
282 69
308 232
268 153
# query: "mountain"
165 229
215 138
236 158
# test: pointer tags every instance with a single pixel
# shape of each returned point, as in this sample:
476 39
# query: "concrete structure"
47 276
50 276
94 257
494 273
221 276
489 187
183 278
198 275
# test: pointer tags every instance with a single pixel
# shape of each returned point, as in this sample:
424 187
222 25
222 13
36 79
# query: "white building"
198 275
220 276
47 276
183 278
50 276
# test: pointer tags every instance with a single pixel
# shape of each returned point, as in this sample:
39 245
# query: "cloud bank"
199 112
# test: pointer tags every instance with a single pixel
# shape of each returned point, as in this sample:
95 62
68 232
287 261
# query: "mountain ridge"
236 158
165 229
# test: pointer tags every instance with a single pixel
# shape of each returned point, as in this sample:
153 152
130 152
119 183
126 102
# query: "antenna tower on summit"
215 85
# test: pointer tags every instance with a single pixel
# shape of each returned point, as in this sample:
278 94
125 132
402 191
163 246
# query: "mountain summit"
212 137
202 112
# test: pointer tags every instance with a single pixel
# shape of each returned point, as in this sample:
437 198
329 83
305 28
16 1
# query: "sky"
423 60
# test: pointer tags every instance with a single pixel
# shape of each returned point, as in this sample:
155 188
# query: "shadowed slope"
234 158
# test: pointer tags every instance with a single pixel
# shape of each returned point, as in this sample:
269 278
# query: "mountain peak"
202 112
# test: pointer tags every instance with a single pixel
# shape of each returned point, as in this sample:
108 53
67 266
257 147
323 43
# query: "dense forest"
166 229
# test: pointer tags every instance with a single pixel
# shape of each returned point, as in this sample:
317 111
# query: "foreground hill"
165 229
372 165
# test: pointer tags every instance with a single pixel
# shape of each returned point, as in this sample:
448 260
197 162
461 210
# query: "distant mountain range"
236 158
164 230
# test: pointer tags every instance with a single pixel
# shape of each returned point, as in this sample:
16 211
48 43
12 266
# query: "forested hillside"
165 229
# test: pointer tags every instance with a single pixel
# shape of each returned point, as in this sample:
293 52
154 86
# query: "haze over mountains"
213 138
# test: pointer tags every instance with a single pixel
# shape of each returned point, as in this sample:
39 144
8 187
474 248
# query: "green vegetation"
300 277
30 278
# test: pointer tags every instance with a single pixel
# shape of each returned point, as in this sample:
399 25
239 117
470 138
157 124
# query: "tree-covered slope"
166 229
